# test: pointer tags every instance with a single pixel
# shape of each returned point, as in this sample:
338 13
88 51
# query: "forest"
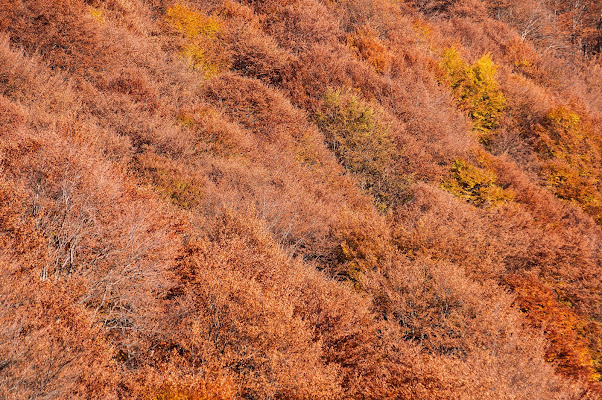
301 199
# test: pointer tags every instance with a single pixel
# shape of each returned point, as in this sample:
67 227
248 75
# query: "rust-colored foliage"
366 43
280 200
563 327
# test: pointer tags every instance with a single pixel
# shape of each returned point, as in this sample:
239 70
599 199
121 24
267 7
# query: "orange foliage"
366 43
245 232
563 327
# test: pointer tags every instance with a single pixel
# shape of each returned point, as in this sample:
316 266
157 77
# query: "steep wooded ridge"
301 199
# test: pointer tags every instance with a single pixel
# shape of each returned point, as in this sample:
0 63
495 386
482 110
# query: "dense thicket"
300 199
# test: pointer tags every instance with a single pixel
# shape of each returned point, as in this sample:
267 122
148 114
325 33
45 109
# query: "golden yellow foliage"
201 49
192 23
475 88
96 13
476 185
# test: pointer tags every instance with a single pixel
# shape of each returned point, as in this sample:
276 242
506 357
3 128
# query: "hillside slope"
289 199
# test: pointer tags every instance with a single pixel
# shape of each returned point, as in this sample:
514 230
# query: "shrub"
564 132
192 23
569 156
365 245
476 185
212 131
170 181
96 13
361 139
367 44
563 327
475 88
200 49
147 298
522 56
423 30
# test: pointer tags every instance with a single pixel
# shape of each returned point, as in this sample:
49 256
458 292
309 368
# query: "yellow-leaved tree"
475 88
361 139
